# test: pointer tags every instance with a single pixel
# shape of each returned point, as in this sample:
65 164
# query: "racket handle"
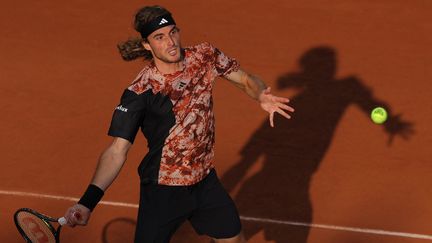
62 221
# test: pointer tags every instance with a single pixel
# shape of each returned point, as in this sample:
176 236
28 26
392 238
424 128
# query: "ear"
146 45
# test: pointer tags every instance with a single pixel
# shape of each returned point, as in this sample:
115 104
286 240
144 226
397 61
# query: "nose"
170 41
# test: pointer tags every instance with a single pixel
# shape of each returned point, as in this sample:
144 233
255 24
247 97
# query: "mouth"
173 51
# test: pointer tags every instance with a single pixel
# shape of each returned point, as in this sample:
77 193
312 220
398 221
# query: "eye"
174 31
158 37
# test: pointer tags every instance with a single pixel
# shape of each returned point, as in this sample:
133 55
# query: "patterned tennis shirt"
175 114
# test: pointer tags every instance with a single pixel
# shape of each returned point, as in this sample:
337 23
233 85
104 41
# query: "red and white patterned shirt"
175 113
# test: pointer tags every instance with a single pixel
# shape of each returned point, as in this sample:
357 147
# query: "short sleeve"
223 64
127 116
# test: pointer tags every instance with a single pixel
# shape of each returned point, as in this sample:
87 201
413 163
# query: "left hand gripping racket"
36 227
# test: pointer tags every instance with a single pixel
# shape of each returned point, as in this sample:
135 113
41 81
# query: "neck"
166 67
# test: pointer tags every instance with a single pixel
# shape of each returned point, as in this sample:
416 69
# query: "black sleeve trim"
124 135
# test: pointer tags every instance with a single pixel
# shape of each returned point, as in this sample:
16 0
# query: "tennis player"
171 102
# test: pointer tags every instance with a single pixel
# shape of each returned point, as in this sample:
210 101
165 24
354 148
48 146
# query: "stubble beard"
167 60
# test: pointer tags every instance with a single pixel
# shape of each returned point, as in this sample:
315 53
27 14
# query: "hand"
396 126
272 104
77 215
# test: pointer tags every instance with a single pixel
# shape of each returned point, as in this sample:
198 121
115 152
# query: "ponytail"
133 49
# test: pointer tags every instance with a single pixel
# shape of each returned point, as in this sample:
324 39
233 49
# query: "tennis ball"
379 115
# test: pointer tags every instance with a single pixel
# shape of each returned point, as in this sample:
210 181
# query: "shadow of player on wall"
293 150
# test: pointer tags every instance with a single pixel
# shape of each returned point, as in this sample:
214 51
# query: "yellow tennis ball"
379 115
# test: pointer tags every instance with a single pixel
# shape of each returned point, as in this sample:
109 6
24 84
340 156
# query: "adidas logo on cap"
163 21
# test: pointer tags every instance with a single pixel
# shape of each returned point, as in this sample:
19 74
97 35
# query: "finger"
77 216
281 99
73 217
69 221
271 119
285 107
283 113
67 216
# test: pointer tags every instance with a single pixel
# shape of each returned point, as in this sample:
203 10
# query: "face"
164 44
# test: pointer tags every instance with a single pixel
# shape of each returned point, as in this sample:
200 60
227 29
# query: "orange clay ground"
61 76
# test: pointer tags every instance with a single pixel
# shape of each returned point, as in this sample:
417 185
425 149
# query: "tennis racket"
36 227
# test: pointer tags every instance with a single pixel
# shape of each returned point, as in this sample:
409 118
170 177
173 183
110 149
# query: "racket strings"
37 230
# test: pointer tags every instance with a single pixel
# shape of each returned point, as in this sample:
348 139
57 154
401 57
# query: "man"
171 102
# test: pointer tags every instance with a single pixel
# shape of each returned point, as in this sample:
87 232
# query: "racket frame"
46 219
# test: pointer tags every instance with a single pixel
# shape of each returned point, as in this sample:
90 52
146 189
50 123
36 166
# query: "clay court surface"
328 175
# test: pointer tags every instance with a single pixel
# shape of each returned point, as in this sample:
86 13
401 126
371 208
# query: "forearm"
109 166
252 85
110 163
107 170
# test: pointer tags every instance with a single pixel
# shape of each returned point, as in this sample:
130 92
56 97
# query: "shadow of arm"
395 125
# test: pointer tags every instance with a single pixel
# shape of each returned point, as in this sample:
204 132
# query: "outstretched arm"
258 90
110 163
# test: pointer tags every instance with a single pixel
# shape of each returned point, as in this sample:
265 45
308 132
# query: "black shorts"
207 206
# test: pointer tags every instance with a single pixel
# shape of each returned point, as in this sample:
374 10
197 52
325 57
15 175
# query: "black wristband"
91 197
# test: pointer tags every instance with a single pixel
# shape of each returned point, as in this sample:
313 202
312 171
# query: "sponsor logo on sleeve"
121 108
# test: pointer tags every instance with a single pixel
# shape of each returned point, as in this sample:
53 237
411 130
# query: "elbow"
115 155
